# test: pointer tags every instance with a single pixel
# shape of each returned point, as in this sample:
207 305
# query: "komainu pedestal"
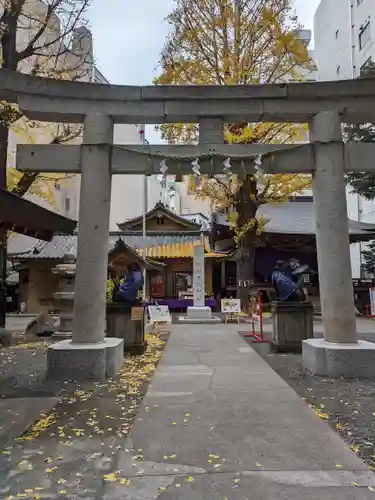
128 325
292 323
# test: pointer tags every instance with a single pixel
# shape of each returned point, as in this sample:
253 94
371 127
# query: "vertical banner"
372 301
198 276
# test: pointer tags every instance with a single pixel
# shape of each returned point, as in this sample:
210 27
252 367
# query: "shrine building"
170 239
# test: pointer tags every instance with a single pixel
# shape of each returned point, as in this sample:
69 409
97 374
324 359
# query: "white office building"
344 33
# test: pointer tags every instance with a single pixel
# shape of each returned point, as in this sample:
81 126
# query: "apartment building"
344 33
344 38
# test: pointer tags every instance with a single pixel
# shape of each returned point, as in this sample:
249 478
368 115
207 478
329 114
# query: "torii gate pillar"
90 354
339 353
211 130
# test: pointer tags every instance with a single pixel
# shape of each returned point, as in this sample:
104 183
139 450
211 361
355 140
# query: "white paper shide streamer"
163 170
196 168
227 170
260 175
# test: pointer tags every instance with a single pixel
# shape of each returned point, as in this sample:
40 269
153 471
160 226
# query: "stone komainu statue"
288 282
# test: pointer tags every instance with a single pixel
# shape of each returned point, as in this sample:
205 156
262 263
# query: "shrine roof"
159 245
159 211
25 217
296 217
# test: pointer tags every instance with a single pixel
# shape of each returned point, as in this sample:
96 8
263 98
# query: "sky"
129 35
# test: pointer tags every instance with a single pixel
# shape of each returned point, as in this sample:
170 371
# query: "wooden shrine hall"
170 241
289 235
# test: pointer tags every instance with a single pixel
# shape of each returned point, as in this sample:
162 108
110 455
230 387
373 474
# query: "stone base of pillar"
199 312
339 360
199 315
68 361
62 335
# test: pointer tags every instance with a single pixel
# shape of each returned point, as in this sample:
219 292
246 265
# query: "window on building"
364 35
67 204
365 66
183 282
157 285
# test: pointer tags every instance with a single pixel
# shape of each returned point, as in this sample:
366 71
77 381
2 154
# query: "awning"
24 217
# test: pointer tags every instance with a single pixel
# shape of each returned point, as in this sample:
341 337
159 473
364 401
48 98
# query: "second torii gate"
323 105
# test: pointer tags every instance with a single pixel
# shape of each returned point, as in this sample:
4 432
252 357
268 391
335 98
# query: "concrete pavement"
217 423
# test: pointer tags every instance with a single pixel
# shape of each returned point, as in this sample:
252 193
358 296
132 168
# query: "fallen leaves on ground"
128 385
355 447
66 425
29 493
321 414
39 426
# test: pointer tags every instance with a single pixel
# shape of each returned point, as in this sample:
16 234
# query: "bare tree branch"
41 38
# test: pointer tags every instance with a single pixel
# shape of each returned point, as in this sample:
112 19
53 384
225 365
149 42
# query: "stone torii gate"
324 106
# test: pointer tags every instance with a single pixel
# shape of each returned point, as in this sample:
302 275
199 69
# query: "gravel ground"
67 450
348 406
22 372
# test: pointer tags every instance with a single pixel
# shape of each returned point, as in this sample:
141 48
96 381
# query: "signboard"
159 314
372 301
137 313
198 276
230 306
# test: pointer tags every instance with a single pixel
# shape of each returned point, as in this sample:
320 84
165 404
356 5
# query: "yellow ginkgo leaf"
322 415
110 477
355 447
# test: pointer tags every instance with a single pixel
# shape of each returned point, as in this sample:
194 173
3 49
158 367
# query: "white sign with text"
159 314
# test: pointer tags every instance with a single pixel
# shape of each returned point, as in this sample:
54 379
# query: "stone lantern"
64 298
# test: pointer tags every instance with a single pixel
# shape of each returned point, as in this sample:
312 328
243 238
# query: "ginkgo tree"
234 42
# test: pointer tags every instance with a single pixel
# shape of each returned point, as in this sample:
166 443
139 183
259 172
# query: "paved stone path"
217 423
